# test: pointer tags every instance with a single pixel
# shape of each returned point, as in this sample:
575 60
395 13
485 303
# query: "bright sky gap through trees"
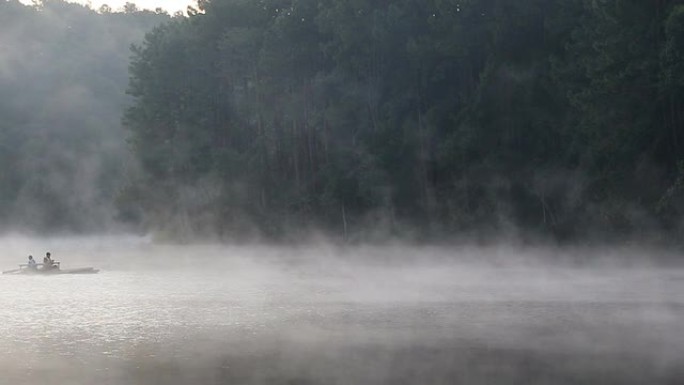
170 6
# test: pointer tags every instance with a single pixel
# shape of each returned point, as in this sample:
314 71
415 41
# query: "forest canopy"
358 119
426 117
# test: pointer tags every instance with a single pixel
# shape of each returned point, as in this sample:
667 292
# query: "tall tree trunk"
344 223
295 153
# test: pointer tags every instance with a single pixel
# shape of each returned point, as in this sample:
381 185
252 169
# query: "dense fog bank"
63 76
320 314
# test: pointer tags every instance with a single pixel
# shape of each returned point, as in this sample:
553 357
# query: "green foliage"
562 117
276 117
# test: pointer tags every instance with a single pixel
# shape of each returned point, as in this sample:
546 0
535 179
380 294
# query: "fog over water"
161 314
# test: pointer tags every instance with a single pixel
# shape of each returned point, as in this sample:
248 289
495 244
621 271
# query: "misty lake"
317 315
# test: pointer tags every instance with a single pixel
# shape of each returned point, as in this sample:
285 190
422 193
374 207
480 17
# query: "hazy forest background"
356 119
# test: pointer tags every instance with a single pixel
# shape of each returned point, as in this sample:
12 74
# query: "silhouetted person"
47 262
32 263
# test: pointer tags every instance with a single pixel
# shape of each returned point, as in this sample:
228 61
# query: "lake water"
316 315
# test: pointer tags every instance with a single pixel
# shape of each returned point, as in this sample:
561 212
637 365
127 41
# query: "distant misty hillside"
63 76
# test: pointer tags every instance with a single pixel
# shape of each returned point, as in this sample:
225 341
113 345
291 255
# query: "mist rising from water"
216 314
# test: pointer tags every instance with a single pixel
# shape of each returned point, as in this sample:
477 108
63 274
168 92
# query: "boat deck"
55 269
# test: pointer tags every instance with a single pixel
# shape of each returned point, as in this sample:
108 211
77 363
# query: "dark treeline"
425 117
63 76
361 119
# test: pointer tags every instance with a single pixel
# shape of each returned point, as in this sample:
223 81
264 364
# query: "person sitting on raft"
32 263
48 263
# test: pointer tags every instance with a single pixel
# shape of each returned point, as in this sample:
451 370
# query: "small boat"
40 269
